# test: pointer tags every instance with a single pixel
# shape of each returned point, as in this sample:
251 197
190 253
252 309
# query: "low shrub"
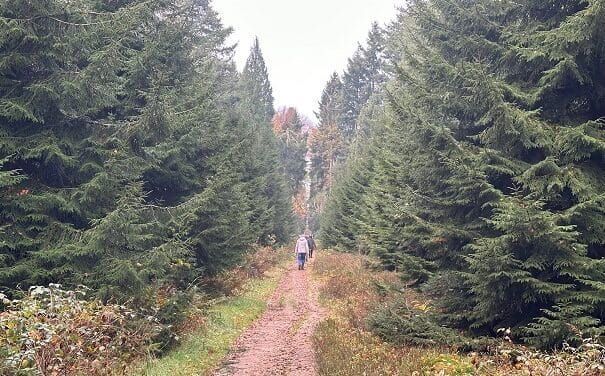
52 331
404 322
255 264
406 319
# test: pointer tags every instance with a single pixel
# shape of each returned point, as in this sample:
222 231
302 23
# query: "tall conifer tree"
327 143
365 75
105 144
272 214
256 84
500 107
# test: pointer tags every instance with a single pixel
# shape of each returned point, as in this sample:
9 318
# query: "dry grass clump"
345 350
349 287
345 345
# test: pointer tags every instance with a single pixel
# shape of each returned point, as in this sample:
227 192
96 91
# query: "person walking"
301 250
311 243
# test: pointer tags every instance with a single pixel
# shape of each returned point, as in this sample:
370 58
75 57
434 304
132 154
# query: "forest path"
279 342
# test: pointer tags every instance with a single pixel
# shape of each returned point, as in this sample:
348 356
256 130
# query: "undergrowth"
378 326
54 331
344 343
240 297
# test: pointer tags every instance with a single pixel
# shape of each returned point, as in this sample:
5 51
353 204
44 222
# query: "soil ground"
279 342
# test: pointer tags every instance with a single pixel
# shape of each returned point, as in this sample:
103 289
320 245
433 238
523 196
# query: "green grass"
225 321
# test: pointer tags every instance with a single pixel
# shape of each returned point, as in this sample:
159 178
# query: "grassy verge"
223 322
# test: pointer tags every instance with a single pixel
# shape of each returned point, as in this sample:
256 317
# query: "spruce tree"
292 142
272 213
491 164
341 220
120 162
10 239
331 104
492 129
256 85
365 75
57 77
326 146
218 225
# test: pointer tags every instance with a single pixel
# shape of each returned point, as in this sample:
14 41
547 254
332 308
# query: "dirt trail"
279 343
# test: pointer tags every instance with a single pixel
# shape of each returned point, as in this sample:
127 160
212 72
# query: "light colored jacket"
301 245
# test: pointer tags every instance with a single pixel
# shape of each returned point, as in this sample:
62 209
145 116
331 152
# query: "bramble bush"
586 359
52 331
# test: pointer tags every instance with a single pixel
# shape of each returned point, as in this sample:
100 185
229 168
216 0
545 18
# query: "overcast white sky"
303 41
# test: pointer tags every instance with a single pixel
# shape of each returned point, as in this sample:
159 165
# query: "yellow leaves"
26 363
181 263
420 306
11 324
84 316
299 203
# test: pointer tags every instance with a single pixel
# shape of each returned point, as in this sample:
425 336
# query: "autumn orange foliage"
288 119
284 119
